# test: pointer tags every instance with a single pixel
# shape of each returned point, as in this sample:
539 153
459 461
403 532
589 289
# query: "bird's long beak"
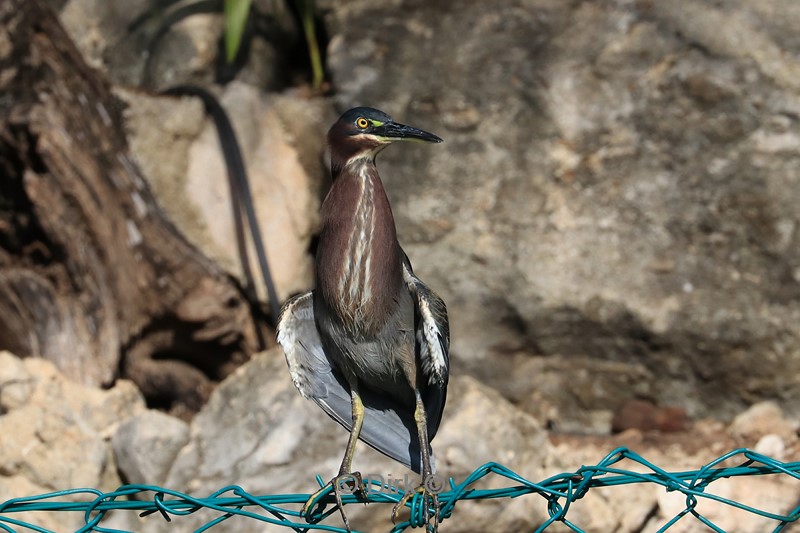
392 131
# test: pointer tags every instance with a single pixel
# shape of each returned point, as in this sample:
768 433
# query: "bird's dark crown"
361 120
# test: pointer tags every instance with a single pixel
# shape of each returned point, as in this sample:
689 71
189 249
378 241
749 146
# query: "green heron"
370 344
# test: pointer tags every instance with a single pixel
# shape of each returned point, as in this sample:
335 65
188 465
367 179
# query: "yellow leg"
358 421
347 481
430 498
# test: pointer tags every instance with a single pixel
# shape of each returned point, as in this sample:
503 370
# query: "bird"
370 343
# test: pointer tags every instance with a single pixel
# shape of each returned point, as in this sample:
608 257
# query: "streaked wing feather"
297 333
433 339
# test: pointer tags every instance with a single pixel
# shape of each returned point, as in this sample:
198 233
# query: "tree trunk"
92 274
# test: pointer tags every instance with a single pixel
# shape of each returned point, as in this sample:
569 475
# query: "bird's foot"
346 483
430 504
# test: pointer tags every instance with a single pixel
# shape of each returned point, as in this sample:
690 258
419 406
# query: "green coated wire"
559 492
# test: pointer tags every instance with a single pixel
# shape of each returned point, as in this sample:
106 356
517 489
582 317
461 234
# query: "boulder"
57 438
281 138
145 446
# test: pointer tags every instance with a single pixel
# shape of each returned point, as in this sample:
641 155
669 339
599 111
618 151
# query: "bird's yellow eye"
362 123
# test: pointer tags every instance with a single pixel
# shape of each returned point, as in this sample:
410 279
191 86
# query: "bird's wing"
389 431
433 343
297 334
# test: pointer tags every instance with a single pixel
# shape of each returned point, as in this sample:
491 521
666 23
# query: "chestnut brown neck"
358 264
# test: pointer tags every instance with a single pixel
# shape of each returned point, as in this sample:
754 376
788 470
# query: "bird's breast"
358 256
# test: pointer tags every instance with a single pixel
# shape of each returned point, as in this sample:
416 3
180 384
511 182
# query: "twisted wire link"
559 493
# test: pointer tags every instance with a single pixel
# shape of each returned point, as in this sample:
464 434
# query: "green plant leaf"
307 14
236 12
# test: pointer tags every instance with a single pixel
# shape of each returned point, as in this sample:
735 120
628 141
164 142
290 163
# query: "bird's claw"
346 483
430 500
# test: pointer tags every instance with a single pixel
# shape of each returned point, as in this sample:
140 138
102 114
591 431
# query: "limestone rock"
58 437
146 445
96 25
284 193
509 435
277 134
14 486
16 383
480 426
761 493
762 419
61 427
162 152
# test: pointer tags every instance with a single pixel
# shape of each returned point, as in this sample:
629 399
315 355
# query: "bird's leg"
428 486
350 481
358 421
347 481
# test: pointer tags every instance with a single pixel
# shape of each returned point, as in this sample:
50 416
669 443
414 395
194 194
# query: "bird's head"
362 132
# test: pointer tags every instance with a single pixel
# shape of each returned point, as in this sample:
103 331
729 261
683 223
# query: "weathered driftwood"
92 274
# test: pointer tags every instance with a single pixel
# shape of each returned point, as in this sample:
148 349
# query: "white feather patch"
295 314
429 337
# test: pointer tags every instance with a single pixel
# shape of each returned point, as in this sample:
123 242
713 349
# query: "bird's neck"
358 265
